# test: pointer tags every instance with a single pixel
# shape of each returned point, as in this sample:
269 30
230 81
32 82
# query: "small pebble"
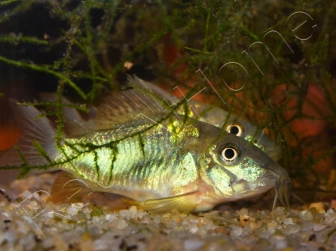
306 226
318 227
192 244
319 206
288 221
280 242
306 215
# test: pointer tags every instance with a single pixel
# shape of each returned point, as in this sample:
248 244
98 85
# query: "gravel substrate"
30 222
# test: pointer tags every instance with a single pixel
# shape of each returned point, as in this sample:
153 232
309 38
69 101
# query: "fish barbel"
137 149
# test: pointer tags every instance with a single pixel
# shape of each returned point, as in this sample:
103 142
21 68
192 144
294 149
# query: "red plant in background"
307 119
314 109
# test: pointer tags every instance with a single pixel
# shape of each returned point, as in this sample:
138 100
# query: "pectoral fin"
184 203
67 189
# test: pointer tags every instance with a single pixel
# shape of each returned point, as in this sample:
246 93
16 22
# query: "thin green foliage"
6 2
79 107
13 39
45 70
42 151
25 168
20 8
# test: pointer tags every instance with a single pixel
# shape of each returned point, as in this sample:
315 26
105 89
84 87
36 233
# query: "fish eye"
229 154
235 129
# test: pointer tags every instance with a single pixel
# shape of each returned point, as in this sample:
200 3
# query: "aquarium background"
271 62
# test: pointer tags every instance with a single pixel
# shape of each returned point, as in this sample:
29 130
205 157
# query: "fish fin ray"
183 203
32 130
68 189
76 128
202 110
128 106
139 83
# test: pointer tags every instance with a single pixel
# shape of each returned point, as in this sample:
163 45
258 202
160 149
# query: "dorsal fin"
200 110
152 89
76 129
128 106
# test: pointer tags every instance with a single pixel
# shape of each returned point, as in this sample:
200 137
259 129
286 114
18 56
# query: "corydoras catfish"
214 116
137 149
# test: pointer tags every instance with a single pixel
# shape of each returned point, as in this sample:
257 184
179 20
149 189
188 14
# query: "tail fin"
35 133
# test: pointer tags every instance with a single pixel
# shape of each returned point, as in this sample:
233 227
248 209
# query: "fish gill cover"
271 62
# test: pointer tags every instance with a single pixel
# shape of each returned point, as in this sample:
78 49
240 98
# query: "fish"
136 148
214 116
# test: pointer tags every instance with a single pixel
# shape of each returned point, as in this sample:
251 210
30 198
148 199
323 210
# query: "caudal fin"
36 142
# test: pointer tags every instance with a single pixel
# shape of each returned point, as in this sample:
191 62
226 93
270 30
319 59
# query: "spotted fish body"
135 148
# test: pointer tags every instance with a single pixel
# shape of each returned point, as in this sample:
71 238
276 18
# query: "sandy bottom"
30 222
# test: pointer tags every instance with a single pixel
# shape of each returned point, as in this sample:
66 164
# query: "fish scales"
161 165
105 163
135 163
104 139
142 167
132 167
147 158
156 169
155 164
